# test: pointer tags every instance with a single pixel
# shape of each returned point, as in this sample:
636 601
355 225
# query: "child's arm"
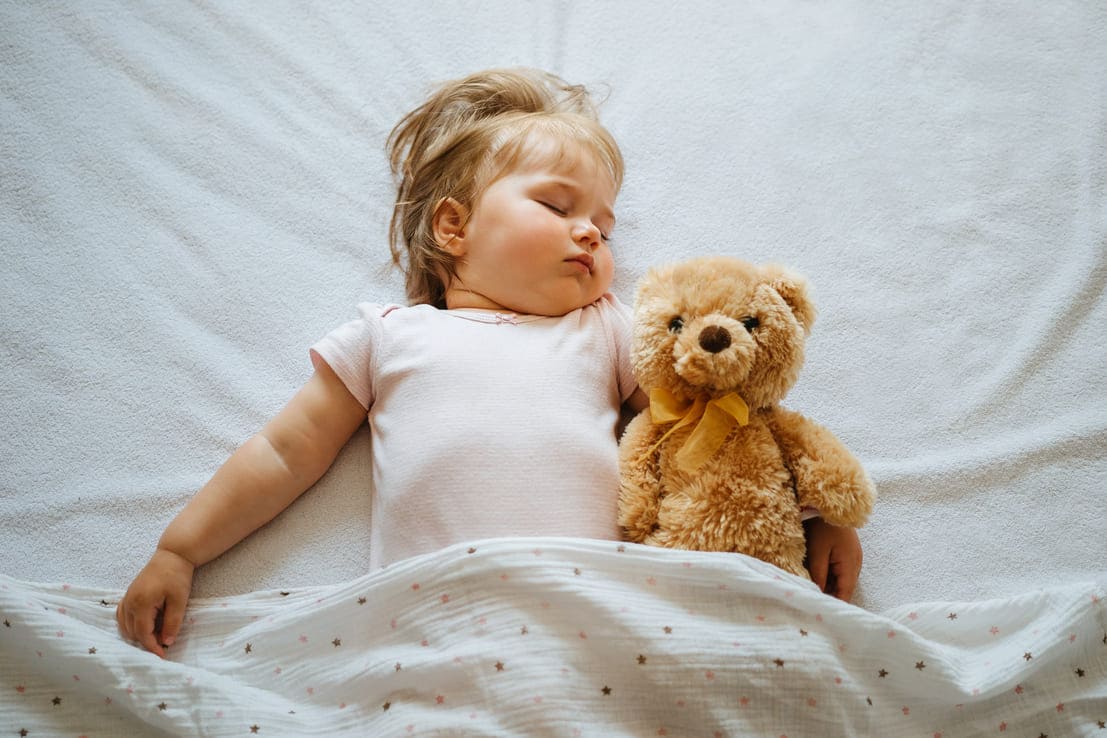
261 478
639 401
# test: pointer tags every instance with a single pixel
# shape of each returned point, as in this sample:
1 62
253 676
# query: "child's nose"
587 235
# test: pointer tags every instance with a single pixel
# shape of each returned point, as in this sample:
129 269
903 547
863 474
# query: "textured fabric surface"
513 637
193 193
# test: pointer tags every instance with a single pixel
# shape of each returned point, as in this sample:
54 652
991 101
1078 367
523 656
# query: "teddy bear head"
714 325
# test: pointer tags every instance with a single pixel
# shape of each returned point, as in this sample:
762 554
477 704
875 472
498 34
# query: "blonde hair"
469 133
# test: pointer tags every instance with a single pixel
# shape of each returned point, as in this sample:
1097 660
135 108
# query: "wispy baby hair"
468 133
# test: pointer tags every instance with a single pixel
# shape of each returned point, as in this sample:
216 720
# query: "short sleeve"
619 321
349 351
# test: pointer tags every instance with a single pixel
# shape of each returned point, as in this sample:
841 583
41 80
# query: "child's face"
536 240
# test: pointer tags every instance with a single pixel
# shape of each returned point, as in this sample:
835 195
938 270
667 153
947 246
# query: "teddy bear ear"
793 289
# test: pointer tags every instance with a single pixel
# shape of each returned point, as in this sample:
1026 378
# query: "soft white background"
192 193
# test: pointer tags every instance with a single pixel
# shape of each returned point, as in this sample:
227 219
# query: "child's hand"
833 557
157 597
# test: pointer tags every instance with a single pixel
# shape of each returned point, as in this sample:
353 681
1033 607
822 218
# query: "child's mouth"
585 260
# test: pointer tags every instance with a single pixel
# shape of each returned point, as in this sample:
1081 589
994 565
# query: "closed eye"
563 213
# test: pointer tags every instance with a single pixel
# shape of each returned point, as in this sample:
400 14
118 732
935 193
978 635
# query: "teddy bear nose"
714 339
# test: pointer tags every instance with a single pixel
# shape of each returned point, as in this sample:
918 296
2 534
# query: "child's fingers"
136 623
819 550
846 581
121 618
144 630
171 619
846 567
818 566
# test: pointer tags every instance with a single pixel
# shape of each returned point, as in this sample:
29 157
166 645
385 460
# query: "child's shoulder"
393 313
609 305
376 310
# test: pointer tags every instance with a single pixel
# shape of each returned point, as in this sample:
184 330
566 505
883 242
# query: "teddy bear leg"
785 550
736 517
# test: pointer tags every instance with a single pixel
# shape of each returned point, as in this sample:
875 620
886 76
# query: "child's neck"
464 299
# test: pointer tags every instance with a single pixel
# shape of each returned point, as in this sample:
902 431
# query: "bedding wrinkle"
999 459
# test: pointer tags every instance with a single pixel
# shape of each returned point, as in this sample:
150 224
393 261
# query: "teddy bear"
715 463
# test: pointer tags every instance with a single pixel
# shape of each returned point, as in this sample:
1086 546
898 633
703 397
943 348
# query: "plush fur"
747 496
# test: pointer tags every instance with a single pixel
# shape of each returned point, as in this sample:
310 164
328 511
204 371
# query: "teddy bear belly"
741 500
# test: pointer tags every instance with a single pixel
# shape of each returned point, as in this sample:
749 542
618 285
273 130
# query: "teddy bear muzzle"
714 352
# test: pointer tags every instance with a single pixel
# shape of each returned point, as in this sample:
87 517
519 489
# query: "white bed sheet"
192 193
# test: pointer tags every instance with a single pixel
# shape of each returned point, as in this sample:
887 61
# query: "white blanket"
569 637
192 193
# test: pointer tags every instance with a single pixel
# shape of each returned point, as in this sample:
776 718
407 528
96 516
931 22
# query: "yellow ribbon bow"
714 420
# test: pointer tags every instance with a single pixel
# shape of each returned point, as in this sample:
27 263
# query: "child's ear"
449 222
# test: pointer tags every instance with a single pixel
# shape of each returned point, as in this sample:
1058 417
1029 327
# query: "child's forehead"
558 156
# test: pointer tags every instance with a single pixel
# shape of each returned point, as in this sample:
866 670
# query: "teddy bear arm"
639 481
827 476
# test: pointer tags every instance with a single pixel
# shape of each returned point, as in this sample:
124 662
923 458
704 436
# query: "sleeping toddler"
493 399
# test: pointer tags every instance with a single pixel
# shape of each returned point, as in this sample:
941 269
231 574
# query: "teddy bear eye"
676 324
751 323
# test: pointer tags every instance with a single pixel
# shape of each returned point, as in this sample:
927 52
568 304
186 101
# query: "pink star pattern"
904 666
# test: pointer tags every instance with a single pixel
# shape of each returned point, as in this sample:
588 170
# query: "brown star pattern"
641 659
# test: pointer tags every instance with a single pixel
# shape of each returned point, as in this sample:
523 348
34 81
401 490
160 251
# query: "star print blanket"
564 637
